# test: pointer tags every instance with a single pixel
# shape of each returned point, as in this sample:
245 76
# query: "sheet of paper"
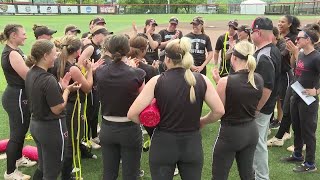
298 88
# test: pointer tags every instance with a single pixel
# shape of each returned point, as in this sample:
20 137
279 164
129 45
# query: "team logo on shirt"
299 68
195 49
168 36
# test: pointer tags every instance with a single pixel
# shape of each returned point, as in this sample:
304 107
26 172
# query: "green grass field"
92 169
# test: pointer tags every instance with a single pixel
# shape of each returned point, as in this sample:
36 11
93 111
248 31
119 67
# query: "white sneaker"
275 142
96 140
16 175
94 145
291 148
26 162
176 171
286 136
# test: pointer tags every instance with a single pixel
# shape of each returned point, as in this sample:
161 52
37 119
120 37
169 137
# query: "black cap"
174 20
151 22
72 28
98 20
100 30
41 30
244 28
263 23
234 24
197 20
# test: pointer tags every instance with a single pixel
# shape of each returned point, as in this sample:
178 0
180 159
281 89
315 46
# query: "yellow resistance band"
76 156
224 60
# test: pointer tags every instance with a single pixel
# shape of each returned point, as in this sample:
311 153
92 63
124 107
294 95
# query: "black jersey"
222 42
241 97
200 43
73 95
166 36
152 54
150 70
12 77
308 69
269 67
96 55
120 84
43 92
177 113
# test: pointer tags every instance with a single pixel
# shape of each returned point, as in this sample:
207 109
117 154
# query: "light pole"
168 6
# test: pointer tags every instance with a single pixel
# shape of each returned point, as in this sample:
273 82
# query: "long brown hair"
69 45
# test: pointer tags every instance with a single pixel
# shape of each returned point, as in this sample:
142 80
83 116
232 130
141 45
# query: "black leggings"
121 140
50 148
93 106
237 141
170 149
15 103
286 119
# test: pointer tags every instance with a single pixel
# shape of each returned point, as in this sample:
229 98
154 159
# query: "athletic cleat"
96 140
94 145
304 168
16 175
292 159
274 125
275 142
286 136
291 148
25 162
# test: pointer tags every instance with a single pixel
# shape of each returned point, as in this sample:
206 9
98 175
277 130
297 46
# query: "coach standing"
268 66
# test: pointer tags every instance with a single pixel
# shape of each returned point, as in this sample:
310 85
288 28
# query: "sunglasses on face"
298 38
253 30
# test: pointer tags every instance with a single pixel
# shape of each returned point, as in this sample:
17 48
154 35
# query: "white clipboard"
298 88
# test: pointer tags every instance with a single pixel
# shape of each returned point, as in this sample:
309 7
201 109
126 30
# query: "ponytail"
119 47
251 64
116 57
63 58
30 61
178 51
202 30
68 45
3 38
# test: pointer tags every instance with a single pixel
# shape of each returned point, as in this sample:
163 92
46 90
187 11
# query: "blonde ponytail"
187 62
251 64
178 51
246 48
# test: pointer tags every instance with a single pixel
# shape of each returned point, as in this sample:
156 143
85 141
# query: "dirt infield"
212 28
